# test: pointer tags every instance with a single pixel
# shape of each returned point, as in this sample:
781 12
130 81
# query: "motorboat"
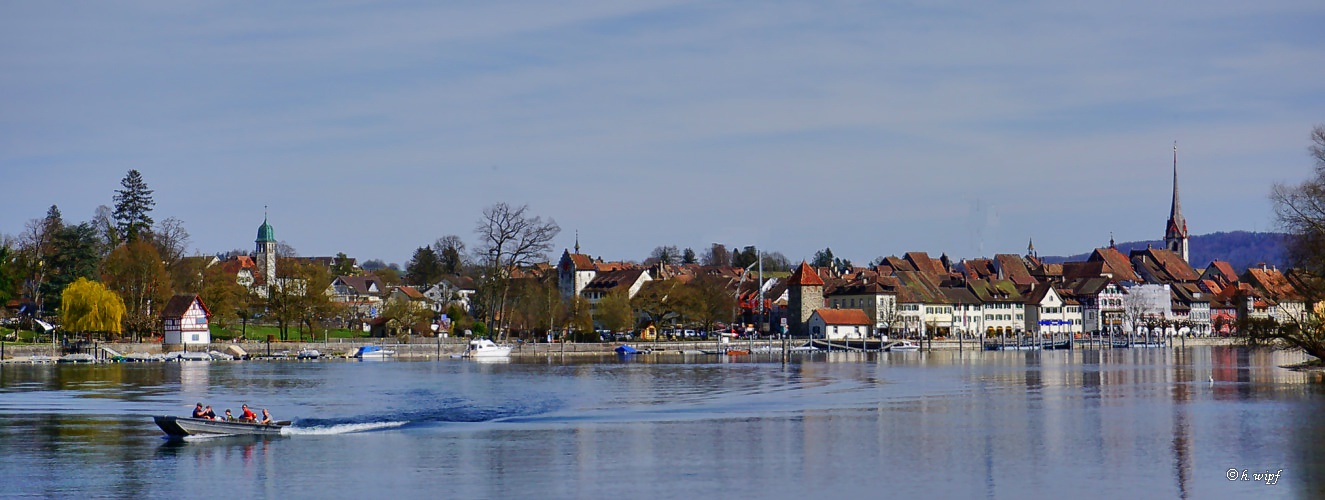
309 354
187 426
902 346
625 349
485 348
373 352
220 356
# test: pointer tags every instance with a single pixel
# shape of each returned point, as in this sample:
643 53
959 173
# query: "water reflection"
1139 422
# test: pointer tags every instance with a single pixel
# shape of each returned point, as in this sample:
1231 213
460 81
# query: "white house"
836 324
186 322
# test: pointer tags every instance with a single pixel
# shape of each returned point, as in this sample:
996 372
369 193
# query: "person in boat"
266 418
208 413
247 415
229 417
198 412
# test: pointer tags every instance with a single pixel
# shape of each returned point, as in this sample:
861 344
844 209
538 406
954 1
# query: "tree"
717 255
1300 210
450 252
745 257
688 256
133 204
11 273
666 254
103 222
134 271
614 311
657 300
298 297
342 265
709 301
775 261
579 320
424 268
227 299
823 258
73 255
510 238
87 306
171 240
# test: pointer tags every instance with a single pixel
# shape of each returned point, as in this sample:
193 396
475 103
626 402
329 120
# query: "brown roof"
922 262
1116 264
606 282
1275 285
410 292
180 304
843 316
805 276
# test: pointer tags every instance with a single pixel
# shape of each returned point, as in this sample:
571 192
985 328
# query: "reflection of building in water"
194 377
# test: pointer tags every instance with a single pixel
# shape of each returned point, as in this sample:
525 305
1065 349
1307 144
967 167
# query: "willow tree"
87 306
1300 210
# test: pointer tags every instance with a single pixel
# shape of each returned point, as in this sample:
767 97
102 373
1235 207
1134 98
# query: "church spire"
1175 234
577 241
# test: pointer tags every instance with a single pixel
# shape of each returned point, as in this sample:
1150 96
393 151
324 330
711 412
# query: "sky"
872 128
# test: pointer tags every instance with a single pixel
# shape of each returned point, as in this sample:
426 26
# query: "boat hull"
184 426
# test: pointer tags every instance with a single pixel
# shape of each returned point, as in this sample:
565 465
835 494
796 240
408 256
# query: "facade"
839 324
1048 312
574 272
185 320
877 300
805 294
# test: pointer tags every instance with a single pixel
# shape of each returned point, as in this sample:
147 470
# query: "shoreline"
422 351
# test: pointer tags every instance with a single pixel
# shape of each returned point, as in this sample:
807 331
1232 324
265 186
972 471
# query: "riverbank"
445 348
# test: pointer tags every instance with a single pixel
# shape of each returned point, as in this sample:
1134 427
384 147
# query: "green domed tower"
266 252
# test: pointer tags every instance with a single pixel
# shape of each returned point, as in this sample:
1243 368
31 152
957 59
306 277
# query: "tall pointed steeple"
1175 233
577 241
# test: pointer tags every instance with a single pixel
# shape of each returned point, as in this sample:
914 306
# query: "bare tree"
510 238
1300 210
170 239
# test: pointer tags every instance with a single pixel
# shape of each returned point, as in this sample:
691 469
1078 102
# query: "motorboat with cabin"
373 352
485 348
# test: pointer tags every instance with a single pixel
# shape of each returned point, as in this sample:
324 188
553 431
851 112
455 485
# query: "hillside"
1243 249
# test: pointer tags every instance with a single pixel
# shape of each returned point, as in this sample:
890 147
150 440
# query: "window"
195 337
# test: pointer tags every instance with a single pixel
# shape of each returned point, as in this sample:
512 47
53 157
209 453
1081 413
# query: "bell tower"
1175 234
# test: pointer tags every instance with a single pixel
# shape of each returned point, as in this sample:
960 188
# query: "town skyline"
870 129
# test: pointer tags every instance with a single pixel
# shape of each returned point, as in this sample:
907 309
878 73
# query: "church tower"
805 293
265 253
1175 235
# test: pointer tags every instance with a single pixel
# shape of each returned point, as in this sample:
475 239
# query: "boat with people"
373 352
486 348
188 426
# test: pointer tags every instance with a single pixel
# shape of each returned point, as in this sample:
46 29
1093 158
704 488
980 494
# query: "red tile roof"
843 316
805 276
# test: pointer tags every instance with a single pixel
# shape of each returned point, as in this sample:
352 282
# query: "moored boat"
484 348
373 352
904 346
186 426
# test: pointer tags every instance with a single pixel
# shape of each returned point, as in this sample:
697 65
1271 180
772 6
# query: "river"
1145 423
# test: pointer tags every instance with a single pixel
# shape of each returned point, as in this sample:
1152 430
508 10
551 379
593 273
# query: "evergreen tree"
342 265
688 257
132 206
74 254
424 268
823 258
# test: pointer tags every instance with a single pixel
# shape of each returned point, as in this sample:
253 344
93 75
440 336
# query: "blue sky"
873 128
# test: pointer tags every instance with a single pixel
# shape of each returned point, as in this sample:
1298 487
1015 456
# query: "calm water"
1144 423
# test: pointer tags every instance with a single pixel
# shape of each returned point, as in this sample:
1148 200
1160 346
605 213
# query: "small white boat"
484 348
188 356
309 354
220 356
903 346
373 352
77 358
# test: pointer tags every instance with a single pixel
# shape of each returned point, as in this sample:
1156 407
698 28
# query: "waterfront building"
805 294
839 324
185 323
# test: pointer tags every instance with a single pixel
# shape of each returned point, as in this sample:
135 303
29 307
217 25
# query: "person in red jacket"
247 415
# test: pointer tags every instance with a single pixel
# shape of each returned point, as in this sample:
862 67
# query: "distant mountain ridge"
1242 249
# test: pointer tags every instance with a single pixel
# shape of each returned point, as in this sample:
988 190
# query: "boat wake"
325 430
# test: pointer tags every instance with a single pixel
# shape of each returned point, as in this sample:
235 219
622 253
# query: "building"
185 321
1175 232
839 324
805 294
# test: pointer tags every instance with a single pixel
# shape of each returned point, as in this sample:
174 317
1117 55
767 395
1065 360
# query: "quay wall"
448 347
